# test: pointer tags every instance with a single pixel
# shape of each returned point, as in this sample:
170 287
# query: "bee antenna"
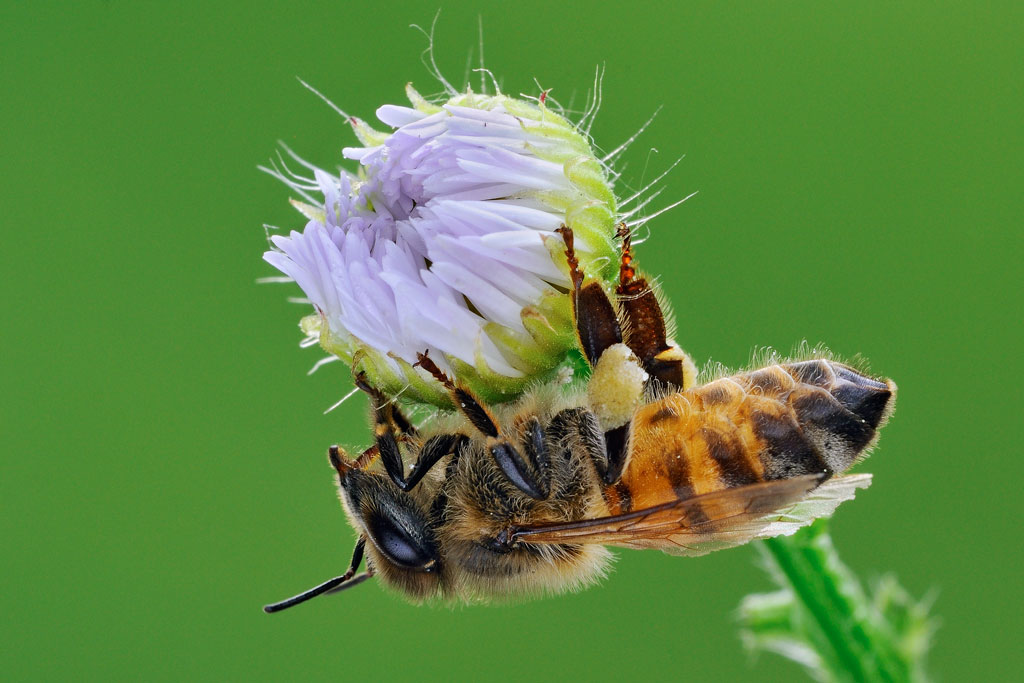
335 585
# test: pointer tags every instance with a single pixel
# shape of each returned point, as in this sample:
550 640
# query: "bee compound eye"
399 541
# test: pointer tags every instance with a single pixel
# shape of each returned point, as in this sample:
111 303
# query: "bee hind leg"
597 323
644 323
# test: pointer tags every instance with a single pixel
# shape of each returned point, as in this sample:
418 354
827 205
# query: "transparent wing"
713 521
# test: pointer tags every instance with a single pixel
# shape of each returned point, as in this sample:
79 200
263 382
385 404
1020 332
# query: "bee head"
401 543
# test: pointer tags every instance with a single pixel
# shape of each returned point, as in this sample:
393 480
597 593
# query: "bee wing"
712 521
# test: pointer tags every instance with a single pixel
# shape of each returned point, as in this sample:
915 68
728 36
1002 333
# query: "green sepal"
580 366
586 173
572 143
550 322
487 384
520 350
424 389
313 213
594 223
366 134
311 326
419 103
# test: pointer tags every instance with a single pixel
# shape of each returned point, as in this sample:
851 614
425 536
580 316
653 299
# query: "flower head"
443 241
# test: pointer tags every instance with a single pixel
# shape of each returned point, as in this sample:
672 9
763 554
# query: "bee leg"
343 464
439 508
384 408
389 420
616 442
384 428
464 400
607 450
433 450
644 323
530 475
391 455
597 324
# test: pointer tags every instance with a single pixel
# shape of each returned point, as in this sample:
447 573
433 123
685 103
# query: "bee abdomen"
868 398
785 451
838 409
777 422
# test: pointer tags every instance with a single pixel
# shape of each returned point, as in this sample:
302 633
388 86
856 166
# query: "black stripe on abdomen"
786 451
731 458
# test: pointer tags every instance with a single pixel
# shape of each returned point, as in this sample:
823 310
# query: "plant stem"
807 586
824 619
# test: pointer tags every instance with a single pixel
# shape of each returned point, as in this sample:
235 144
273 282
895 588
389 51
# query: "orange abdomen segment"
778 422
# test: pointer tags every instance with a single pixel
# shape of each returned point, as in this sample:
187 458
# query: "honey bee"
525 498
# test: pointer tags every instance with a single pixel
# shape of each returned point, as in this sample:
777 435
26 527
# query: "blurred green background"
163 469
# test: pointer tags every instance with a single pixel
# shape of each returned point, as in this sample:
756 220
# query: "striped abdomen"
778 422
